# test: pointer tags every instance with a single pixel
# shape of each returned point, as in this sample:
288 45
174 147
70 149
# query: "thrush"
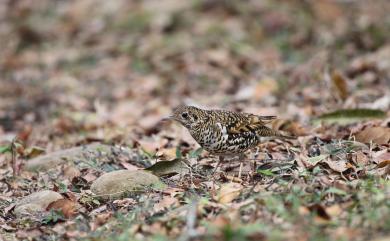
225 133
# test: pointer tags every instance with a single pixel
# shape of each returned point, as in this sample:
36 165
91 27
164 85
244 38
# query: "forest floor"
84 86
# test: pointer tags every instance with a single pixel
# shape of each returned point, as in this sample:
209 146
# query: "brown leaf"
25 234
320 211
166 203
89 177
25 133
289 126
381 156
379 135
228 192
360 159
338 165
71 172
67 207
33 152
167 153
327 11
383 163
340 84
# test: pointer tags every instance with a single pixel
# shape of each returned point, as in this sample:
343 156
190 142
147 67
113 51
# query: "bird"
223 132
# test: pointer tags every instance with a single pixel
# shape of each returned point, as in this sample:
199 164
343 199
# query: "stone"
53 159
117 184
35 202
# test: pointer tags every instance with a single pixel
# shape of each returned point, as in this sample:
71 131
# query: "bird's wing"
248 123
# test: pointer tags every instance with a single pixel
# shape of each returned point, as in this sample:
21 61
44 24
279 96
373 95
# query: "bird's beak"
168 118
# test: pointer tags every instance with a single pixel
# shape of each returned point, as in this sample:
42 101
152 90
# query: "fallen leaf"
316 159
379 135
261 90
340 84
381 156
167 153
67 207
165 203
71 172
164 168
33 152
320 211
4 149
383 163
228 192
289 126
327 11
348 116
90 176
338 165
360 159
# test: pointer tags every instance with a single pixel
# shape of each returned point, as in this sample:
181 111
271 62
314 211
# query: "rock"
117 184
54 159
36 202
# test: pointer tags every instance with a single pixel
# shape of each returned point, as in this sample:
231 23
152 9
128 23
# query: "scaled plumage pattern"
222 132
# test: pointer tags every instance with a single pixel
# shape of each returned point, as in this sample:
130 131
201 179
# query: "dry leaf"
168 153
165 203
360 158
67 207
228 192
340 84
327 11
163 168
71 172
379 135
381 156
338 165
262 89
289 126
383 163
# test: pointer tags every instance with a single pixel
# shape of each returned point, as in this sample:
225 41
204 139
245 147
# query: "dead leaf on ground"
381 156
338 165
228 192
289 126
360 159
33 152
164 168
383 163
323 214
340 84
348 116
166 202
67 207
167 153
379 135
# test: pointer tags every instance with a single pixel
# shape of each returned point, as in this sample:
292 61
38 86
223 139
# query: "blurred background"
112 68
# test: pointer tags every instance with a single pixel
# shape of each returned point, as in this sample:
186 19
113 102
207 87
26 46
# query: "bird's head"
188 116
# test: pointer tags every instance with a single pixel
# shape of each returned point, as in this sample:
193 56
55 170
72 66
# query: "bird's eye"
184 115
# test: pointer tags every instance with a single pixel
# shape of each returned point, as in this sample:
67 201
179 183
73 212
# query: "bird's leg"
241 157
219 162
255 159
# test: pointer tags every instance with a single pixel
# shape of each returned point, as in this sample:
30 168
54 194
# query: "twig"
13 157
190 232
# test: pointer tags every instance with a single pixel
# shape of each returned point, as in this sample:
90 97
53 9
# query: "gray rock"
35 202
50 160
117 184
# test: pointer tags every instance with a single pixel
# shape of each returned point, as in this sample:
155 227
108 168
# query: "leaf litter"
84 86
